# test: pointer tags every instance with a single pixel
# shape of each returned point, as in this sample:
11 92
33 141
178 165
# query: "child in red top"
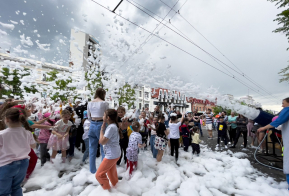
185 132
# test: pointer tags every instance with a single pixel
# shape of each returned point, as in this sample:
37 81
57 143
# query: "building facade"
200 105
143 98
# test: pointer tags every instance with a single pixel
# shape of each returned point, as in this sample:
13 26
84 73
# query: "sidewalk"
276 174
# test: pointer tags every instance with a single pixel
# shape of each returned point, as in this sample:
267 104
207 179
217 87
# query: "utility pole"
117 6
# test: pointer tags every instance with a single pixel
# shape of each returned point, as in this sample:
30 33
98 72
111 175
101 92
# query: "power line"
242 73
175 46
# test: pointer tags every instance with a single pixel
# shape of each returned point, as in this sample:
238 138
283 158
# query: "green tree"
219 109
126 95
61 89
283 21
10 83
94 80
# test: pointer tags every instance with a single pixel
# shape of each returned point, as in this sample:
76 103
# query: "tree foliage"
219 109
283 20
61 89
126 95
10 83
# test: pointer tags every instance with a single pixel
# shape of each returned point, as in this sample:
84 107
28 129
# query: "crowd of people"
43 129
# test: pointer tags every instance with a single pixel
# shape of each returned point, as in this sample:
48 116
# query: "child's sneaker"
226 147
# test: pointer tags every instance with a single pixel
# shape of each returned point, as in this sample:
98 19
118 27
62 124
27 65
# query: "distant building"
166 98
41 68
143 98
200 105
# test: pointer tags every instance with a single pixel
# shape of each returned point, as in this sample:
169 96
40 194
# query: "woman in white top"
175 134
95 112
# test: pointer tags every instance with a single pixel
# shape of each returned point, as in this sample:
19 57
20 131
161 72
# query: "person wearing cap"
85 138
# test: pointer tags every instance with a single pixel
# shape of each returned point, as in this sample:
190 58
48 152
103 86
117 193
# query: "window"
146 95
139 105
44 77
140 94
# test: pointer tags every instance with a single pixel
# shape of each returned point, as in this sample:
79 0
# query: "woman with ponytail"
110 141
15 145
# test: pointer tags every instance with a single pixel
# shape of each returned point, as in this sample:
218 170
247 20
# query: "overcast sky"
241 30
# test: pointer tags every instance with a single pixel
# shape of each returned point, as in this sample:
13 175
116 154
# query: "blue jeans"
93 135
11 177
152 142
200 127
86 152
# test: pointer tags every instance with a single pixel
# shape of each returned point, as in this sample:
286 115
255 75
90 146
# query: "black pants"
196 148
44 154
239 131
232 134
223 136
70 151
144 136
79 139
186 141
123 146
175 147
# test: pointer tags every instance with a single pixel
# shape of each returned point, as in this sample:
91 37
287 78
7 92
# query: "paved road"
277 175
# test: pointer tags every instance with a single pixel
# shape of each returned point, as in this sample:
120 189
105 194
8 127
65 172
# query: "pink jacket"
44 134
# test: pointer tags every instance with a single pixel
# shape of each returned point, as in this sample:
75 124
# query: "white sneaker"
217 145
229 143
226 147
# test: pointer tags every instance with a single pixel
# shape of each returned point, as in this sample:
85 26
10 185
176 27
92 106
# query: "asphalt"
271 160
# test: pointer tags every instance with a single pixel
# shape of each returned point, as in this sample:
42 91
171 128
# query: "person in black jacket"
185 132
241 128
222 131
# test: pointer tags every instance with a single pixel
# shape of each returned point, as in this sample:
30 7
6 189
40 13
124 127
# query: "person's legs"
237 137
152 137
155 151
121 151
225 138
70 151
172 146
93 144
194 149
198 148
160 155
218 140
186 143
102 152
86 152
245 133
287 178
200 128
43 153
104 168
177 149
32 163
234 133
11 177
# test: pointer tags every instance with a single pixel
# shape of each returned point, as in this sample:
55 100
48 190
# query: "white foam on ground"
212 173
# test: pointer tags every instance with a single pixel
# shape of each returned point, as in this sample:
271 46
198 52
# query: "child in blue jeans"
15 145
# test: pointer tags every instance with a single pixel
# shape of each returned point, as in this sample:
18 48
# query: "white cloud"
25 41
7 26
18 49
45 47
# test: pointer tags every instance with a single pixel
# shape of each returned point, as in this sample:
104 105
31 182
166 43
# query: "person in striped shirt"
209 122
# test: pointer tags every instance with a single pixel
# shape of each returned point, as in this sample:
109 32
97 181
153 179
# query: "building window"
146 95
44 77
140 94
139 105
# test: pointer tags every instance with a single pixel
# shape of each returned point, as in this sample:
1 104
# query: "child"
143 130
195 141
152 127
59 137
161 140
135 142
184 129
110 141
15 145
44 136
123 123
222 131
85 138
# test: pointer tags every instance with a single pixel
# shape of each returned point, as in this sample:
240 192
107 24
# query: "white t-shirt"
96 109
86 126
62 127
111 148
174 130
14 145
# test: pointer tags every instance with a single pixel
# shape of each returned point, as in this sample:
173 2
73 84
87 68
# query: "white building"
39 67
143 98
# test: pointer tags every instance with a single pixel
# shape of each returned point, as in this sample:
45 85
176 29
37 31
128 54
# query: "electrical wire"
242 73
175 46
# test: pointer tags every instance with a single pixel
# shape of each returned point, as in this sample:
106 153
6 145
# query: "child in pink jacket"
44 136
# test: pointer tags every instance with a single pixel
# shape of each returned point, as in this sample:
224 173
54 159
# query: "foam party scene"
144 98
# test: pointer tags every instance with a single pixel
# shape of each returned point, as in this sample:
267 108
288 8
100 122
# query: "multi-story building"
166 98
143 98
41 68
200 105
